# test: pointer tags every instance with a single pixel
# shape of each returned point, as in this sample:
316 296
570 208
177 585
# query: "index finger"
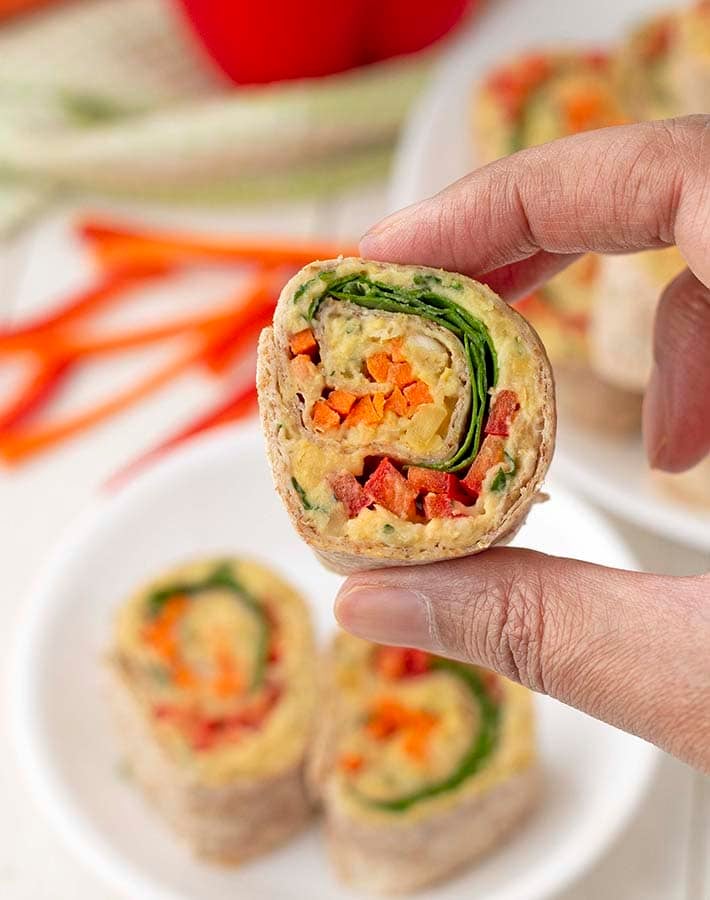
616 190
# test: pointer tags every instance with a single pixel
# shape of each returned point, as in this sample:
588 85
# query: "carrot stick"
237 405
243 326
10 8
19 445
80 304
39 390
116 243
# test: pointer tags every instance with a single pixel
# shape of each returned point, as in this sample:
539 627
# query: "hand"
629 648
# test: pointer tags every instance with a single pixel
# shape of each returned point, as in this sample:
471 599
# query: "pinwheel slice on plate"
212 677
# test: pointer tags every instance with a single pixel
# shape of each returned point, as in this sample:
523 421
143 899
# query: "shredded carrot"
324 418
418 393
396 402
378 366
116 243
303 342
341 401
400 374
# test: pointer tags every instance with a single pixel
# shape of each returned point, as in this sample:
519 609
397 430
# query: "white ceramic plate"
436 149
215 496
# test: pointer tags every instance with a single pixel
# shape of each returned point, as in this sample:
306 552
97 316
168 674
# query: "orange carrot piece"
378 366
324 418
400 374
378 403
397 403
125 243
362 412
351 762
303 342
341 401
418 393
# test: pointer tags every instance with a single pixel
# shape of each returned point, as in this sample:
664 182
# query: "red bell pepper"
428 481
489 455
390 489
503 411
348 490
256 43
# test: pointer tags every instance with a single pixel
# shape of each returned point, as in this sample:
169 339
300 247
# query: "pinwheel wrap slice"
408 412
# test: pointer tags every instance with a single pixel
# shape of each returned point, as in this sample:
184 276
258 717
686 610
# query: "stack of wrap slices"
239 730
596 318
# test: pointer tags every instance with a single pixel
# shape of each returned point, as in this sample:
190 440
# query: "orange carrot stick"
20 444
115 243
76 306
40 388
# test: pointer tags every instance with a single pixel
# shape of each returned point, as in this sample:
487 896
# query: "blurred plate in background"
216 496
437 148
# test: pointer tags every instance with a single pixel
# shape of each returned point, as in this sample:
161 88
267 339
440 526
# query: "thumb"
627 647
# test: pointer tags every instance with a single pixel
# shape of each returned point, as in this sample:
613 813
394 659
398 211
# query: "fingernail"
655 419
385 615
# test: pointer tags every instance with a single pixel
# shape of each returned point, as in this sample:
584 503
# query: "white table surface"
664 853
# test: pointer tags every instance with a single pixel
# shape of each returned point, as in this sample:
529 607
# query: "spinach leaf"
472 760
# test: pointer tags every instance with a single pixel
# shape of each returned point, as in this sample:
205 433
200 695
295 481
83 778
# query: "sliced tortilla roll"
212 676
621 331
409 413
663 69
532 99
422 764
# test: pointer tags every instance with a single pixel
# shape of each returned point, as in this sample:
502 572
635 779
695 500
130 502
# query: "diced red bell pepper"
390 489
489 455
401 662
348 490
428 481
503 412
437 506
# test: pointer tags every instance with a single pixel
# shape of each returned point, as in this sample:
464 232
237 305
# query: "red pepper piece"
348 490
428 481
437 506
489 455
390 489
401 662
503 412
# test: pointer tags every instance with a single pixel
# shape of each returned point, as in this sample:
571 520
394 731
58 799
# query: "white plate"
215 496
436 149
